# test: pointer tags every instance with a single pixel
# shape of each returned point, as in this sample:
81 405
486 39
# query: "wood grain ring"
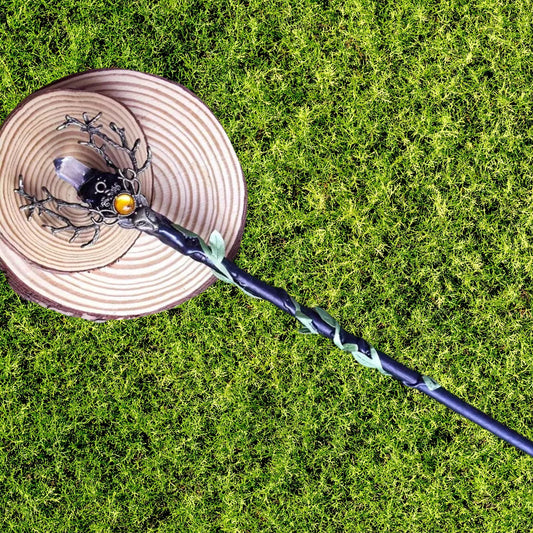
198 183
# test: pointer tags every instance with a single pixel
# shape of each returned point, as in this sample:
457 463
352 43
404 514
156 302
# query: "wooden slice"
197 182
29 143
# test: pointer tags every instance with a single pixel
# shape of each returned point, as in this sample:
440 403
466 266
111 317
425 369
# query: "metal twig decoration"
116 197
89 125
108 198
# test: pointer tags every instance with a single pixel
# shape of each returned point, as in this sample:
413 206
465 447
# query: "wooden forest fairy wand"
115 197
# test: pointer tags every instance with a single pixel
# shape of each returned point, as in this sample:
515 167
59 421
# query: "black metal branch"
85 126
132 183
93 130
100 150
77 230
41 207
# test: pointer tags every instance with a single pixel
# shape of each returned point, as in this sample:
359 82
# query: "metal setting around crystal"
124 204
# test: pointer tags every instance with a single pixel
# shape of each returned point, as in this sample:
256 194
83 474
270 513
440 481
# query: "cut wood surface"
195 180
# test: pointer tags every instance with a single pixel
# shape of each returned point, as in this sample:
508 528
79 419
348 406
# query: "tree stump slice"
29 144
195 180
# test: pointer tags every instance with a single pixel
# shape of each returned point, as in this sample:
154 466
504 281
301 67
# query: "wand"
116 197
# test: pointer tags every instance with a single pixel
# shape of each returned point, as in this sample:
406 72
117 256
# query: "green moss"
387 149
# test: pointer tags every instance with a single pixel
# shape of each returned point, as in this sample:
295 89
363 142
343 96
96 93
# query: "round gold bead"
124 203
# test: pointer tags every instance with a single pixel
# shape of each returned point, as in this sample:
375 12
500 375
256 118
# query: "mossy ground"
387 148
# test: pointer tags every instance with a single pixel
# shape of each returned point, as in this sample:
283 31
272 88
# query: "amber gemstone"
124 203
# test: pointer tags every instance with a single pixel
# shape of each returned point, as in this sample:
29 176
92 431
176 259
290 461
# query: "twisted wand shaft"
314 320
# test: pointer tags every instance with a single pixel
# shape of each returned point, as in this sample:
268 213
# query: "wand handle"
314 320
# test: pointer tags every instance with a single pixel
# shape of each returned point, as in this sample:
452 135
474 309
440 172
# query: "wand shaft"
316 321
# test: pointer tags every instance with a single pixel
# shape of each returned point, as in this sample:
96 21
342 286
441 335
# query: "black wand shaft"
315 320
